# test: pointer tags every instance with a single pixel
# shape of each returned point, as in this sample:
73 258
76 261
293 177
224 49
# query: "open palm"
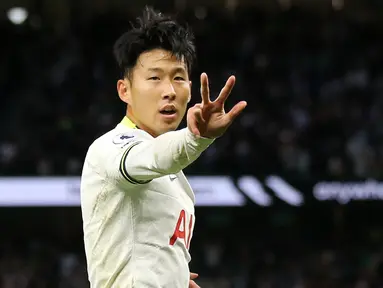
208 118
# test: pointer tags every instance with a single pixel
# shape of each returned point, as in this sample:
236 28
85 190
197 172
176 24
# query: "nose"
169 93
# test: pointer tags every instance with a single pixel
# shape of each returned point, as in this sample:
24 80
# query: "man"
137 205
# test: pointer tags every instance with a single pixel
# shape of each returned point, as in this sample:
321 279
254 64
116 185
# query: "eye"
154 78
179 78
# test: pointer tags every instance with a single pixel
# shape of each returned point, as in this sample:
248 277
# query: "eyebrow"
179 69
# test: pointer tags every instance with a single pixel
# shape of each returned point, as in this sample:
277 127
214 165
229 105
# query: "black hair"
154 30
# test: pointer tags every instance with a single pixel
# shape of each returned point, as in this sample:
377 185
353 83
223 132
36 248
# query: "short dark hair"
154 30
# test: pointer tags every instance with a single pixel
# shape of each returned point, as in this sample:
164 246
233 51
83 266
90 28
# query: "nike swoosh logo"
173 177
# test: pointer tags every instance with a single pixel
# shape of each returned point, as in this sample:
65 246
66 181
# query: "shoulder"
116 139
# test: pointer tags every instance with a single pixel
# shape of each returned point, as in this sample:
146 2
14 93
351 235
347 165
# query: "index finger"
205 94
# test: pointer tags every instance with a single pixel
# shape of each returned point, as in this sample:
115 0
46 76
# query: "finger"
205 93
198 115
236 110
226 90
194 129
193 276
195 119
192 284
193 126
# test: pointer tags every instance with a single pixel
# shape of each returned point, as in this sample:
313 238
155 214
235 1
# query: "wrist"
197 138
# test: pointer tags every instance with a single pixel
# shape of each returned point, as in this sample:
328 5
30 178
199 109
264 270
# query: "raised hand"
192 284
209 119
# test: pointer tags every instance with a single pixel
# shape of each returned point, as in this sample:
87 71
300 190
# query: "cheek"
145 99
183 96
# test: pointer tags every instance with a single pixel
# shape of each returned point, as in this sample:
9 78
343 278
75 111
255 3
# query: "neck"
139 124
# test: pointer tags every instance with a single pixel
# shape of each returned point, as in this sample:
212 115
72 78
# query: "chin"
167 127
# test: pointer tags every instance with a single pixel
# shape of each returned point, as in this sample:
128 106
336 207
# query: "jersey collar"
128 123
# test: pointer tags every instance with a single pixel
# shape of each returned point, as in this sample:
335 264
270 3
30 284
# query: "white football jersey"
138 208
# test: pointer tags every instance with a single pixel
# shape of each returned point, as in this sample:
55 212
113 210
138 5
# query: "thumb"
194 118
198 115
193 275
236 110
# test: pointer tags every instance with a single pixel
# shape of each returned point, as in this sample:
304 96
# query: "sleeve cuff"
198 141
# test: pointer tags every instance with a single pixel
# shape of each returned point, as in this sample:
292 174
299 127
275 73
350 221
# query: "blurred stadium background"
290 197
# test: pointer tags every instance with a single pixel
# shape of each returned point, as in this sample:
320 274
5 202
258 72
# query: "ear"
190 83
124 89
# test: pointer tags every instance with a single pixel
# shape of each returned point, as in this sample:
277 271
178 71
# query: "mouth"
168 110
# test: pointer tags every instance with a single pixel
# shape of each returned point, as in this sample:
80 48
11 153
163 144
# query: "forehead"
159 58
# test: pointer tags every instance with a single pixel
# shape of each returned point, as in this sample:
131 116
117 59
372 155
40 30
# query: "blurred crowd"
262 269
274 253
313 85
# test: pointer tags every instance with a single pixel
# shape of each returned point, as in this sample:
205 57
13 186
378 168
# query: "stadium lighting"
337 4
17 15
285 4
200 12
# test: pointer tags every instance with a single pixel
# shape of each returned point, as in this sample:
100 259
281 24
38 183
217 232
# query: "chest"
174 190
167 207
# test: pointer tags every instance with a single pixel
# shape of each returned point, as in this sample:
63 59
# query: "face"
157 92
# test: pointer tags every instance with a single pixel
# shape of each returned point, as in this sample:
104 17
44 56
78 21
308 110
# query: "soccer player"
137 205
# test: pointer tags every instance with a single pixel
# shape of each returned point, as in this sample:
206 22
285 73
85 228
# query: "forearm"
167 154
